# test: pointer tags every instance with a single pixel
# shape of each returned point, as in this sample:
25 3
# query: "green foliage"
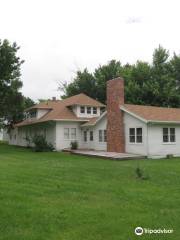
41 145
12 101
83 82
140 174
74 145
155 84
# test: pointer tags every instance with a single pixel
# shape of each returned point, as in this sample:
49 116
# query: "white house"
145 130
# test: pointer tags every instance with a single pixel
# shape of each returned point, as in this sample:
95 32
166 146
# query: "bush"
140 174
41 145
28 141
74 145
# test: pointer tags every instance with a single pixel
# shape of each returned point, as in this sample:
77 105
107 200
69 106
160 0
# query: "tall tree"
12 102
156 84
84 82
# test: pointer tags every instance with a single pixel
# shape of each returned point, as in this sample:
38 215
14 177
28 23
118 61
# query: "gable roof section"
82 99
94 121
152 113
59 110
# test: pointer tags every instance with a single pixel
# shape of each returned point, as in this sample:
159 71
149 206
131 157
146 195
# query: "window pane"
73 133
82 109
132 139
100 135
91 135
85 136
165 138
132 131
172 138
89 110
139 139
105 136
165 131
139 131
172 131
94 110
66 133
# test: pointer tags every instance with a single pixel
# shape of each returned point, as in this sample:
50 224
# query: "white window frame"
87 110
91 135
168 134
68 134
82 107
85 136
73 135
105 135
94 110
135 135
102 135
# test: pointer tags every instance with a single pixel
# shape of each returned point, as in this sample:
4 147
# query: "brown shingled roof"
59 110
152 113
91 122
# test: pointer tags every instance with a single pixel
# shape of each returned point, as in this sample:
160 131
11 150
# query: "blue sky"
57 37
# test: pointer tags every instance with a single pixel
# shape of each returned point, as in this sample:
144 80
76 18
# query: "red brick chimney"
115 125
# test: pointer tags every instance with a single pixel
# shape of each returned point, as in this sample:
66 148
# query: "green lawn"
58 196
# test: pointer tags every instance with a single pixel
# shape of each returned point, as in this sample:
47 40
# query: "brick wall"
115 126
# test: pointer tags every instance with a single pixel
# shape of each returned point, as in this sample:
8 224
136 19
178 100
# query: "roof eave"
163 122
133 114
70 120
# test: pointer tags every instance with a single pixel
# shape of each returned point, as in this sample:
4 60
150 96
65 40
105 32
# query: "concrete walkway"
108 155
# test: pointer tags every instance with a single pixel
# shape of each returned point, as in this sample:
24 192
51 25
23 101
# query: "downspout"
147 140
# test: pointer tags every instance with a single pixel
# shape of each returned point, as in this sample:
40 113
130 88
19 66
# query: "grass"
58 196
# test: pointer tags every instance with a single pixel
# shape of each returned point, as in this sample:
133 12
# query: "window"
66 133
91 136
32 114
105 136
139 135
100 136
88 110
172 135
169 135
73 133
165 135
85 136
94 110
82 109
132 135
135 135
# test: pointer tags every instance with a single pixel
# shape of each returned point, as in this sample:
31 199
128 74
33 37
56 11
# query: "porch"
104 154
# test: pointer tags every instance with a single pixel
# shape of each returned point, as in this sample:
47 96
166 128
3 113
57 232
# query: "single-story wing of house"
117 127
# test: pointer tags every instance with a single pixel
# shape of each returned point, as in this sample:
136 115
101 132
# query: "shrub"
41 145
74 145
28 141
140 174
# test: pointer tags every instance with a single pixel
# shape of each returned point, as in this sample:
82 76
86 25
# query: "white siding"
155 141
41 112
61 142
95 144
18 135
132 122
